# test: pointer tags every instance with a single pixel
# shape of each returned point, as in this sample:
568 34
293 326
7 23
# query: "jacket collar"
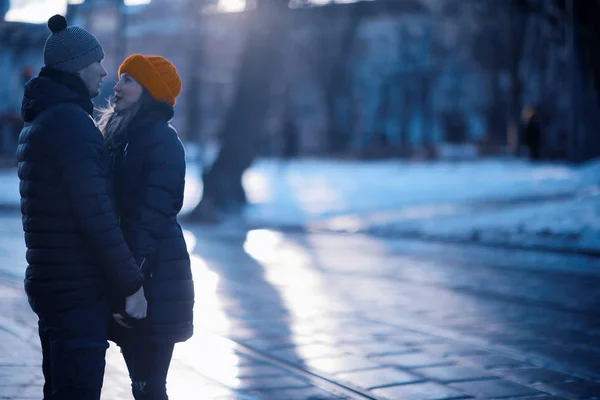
151 113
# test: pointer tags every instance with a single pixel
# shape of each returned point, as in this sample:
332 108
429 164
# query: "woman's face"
127 92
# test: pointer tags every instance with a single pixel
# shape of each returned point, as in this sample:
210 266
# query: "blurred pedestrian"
533 136
76 252
289 136
148 162
290 139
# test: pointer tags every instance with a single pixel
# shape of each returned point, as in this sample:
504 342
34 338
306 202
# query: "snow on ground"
590 173
489 201
469 199
308 191
572 223
9 187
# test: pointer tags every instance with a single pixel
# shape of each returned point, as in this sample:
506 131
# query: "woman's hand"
136 305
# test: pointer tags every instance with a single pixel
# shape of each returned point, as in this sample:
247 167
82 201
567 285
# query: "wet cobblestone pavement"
329 316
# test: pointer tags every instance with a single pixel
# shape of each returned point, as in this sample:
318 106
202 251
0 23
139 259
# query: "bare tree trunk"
498 110
586 17
244 122
405 118
427 80
193 87
336 80
519 18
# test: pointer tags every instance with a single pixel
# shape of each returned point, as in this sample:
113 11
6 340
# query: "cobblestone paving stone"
386 318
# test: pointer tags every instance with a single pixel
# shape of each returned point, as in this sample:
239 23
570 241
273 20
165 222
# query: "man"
76 253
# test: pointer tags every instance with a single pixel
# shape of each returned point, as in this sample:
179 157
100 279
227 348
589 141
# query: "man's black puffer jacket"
76 252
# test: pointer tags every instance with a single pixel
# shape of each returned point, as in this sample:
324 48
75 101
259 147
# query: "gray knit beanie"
70 49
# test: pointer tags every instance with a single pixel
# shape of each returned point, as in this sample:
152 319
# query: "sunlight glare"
316 195
204 352
35 12
261 244
211 356
232 5
288 267
259 188
190 241
137 2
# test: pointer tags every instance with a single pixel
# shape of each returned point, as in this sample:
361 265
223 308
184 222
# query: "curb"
537 247
589 252
481 204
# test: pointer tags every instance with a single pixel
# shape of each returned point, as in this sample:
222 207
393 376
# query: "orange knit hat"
157 74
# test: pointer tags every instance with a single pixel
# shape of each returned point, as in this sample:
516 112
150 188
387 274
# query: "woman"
149 172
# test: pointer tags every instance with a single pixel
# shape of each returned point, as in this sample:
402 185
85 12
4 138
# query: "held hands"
120 320
136 306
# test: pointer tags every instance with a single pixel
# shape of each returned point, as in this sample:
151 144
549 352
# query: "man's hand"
119 320
136 305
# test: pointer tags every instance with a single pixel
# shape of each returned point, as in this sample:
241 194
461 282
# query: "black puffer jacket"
76 252
149 179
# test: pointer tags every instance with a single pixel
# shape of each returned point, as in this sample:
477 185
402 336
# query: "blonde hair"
113 124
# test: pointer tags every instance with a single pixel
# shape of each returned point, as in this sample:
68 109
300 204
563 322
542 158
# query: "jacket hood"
51 87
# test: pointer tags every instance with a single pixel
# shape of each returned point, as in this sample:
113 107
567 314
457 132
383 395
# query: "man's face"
92 76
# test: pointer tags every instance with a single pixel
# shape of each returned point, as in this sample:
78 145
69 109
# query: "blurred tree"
121 31
455 127
244 121
4 7
194 59
336 49
586 17
570 24
513 44
500 48
331 61
584 141
490 50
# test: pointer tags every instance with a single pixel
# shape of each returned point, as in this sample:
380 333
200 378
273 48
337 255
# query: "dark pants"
534 151
148 365
74 344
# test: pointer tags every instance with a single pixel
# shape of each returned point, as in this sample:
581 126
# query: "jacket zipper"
142 265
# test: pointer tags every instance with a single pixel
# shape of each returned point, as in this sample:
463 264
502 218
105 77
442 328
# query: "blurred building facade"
398 77
20 59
